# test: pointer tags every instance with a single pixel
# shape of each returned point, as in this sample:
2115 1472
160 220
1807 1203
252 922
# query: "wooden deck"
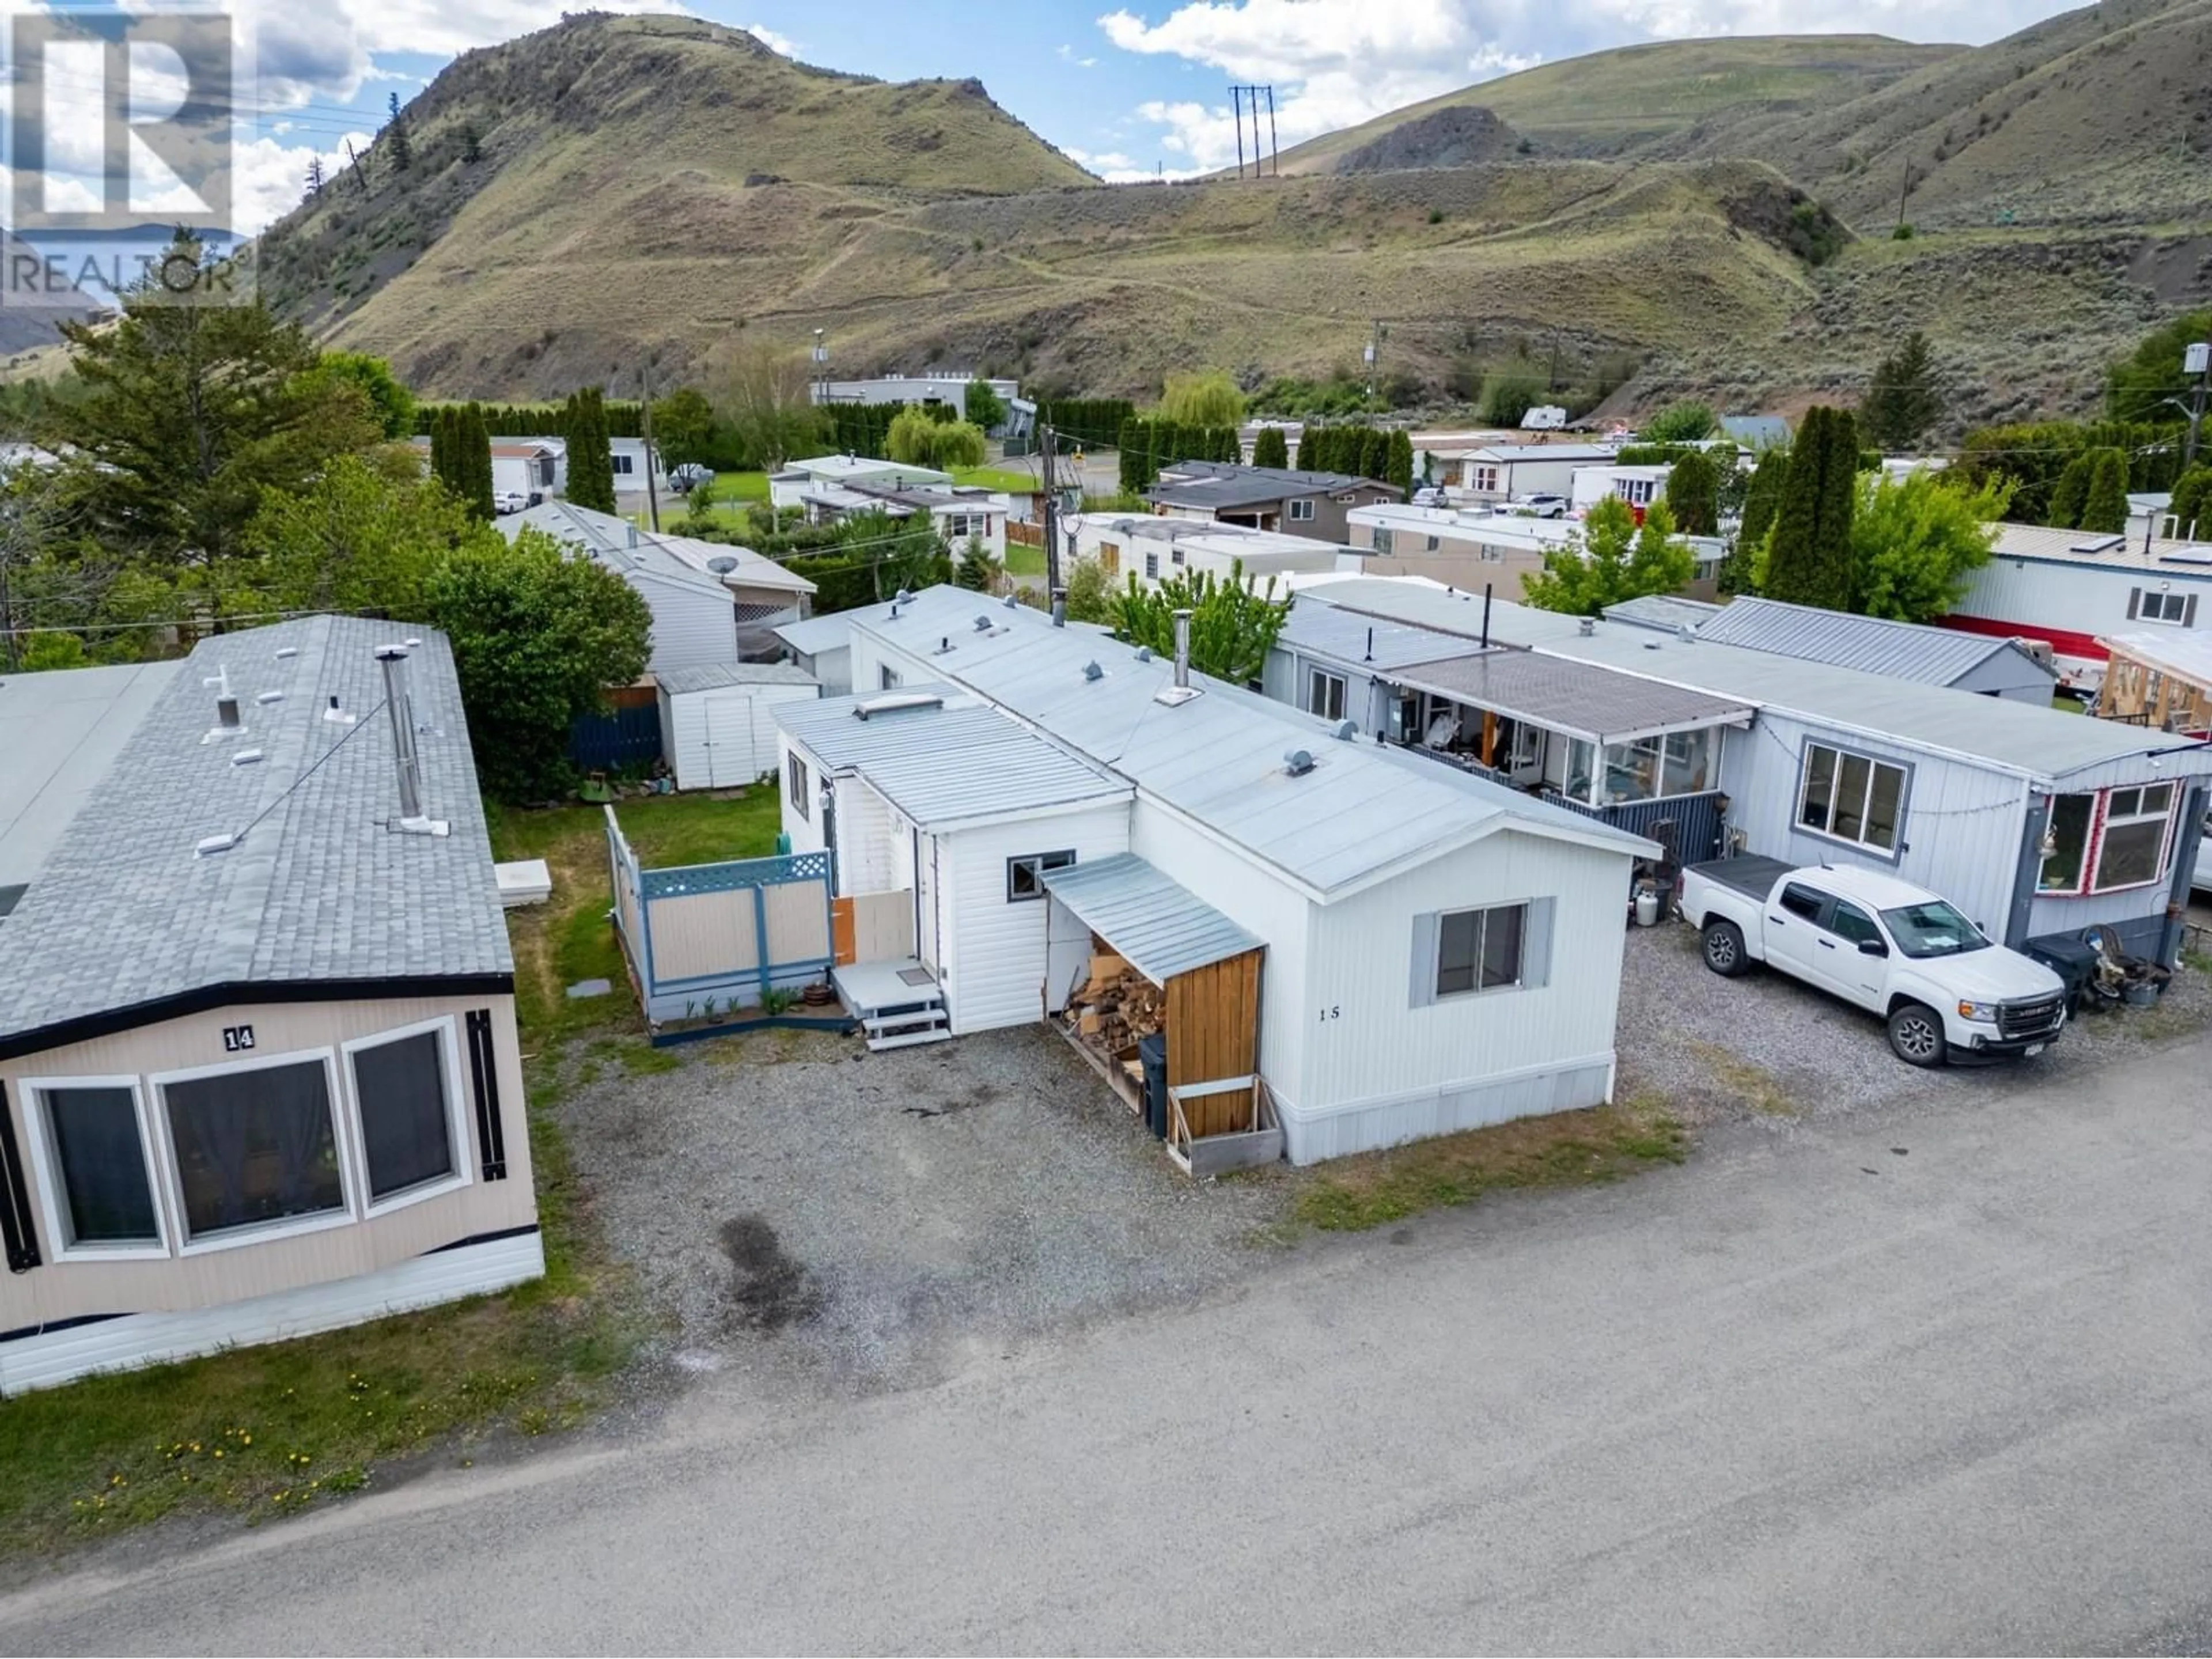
898 1002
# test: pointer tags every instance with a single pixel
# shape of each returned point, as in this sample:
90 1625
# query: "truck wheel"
1915 1035
1723 944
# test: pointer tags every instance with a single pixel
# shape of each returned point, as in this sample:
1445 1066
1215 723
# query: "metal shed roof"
816 634
942 763
1580 699
715 676
2184 652
1667 613
1369 643
1159 926
1903 651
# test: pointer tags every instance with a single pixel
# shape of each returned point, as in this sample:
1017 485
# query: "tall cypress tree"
591 465
1839 497
1808 559
2071 489
470 444
441 459
1398 469
1270 448
2105 506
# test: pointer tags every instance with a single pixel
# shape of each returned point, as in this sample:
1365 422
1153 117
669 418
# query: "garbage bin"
1152 1055
2072 958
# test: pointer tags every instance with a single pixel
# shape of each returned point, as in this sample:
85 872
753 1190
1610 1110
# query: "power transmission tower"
644 417
1244 100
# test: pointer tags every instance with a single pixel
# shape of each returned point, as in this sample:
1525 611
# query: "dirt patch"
769 1288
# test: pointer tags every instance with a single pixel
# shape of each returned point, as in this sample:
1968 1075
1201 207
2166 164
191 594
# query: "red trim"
2063 641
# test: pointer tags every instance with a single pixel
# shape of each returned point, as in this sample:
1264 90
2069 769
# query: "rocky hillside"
1462 136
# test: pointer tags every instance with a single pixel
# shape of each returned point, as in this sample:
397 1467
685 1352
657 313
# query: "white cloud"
1334 63
1067 55
781 44
269 179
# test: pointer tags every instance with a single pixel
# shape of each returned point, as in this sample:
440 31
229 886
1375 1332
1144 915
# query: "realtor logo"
120 133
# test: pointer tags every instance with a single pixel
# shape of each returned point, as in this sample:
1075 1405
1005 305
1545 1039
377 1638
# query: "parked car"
509 500
1898 951
689 476
1542 506
1431 495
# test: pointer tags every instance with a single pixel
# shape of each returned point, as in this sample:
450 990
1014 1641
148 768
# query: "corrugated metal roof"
1159 926
1904 651
319 888
622 547
1363 809
1577 698
1664 611
816 634
1222 484
712 677
2186 652
945 763
2166 557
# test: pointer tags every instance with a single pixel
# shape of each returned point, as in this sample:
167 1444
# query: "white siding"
2081 600
994 951
871 839
871 656
833 669
804 828
1263 904
726 737
1380 1070
691 626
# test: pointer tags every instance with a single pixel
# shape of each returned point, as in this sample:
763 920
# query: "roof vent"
265 698
337 716
2102 545
245 757
228 723
1144 654
287 651
1347 731
208 845
1589 627
1298 761
1092 670
982 625
1685 634
1012 602
412 820
943 645
722 563
1651 645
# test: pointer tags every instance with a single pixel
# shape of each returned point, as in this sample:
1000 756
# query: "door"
1793 922
1846 969
729 738
925 898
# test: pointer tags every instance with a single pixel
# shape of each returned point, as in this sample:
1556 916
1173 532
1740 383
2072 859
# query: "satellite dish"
722 564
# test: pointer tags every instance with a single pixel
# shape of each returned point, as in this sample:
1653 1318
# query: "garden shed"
718 719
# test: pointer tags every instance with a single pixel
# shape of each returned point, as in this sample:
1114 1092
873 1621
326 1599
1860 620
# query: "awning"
1583 700
1159 926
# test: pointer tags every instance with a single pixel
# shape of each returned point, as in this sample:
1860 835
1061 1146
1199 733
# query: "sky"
1130 90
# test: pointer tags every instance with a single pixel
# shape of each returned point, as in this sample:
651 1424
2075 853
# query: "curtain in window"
102 1166
405 1126
254 1146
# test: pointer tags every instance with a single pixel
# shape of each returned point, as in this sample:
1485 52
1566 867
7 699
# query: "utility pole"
1903 191
1373 354
2196 360
1051 517
821 368
1273 148
1236 103
644 417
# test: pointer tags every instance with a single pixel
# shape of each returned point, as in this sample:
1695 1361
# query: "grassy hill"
1610 103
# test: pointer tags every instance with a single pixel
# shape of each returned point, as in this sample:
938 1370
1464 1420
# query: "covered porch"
1629 751
1160 991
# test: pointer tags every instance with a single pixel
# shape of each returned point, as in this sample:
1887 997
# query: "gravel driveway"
891 1215
1767 1045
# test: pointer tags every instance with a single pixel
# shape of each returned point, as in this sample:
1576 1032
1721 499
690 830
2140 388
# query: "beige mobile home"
259 1066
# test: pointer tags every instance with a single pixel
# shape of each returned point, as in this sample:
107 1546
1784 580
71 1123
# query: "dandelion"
245 1440
218 1451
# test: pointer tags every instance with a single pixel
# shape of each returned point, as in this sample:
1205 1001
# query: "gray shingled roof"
320 888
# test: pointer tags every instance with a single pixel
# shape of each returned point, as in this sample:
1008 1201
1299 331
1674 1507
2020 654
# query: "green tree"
1209 397
1271 447
1902 402
699 504
1507 396
1233 623
591 456
2192 506
1089 591
1762 495
472 144
765 397
958 444
537 639
2105 506
1398 461
1682 422
392 404
1809 550
1693 494
1612 560
983 407
472 439
399 146
1917 539
2071 490
365 536
976 570
2138 386
684 427
188 412
912 440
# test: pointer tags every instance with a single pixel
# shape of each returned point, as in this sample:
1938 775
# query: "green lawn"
1024 561
267 1431
994 477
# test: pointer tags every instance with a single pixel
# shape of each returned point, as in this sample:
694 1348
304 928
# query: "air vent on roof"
892 702
1298 761
1012 602
285 651
245 757
1651 645
943 645
1144 654
1347 731
207 846
1589 627
265 698
2102 545
337 716
1092 670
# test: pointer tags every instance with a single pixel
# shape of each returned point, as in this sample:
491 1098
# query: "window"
1175 555
1325 695
1023 873
402 1088
1382 540
2150 605
1854 926
1432 544
98 1181
624 464
1490 554
2104 841
1151 567
1649 769
1110 558
1637 492
254 1146
1485 479
1302 510
1851 797
1933 929
795 781
1804 903
1480 950
887 678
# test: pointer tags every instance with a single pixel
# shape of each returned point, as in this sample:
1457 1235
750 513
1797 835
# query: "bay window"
98 1179
403 1089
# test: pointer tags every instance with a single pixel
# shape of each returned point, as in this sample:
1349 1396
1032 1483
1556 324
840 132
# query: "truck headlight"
1981 1013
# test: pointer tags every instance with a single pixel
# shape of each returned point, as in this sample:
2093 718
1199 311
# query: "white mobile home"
1435 952
1158 549
2067 586
259 1066
1638 486
788 488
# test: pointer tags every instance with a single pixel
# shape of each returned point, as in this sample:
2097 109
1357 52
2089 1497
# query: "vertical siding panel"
996 970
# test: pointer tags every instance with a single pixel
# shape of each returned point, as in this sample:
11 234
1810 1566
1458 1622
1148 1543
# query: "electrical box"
2196 359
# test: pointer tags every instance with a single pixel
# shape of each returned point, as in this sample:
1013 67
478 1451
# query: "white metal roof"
1158 925
1904 651
2166 557
60 733
815 634
1362 811
942 763
716 676
2184 653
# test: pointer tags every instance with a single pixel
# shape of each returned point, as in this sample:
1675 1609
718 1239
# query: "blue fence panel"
609 742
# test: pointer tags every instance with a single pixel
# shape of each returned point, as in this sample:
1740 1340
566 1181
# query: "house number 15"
1331 1013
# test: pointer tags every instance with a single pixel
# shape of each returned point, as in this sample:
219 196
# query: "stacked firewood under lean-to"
1116 1006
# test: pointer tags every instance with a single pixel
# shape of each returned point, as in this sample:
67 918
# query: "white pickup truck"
1892 948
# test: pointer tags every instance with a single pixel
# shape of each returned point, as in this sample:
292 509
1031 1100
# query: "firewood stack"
1118 1005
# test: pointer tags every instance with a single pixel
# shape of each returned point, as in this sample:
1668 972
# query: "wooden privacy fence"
702 938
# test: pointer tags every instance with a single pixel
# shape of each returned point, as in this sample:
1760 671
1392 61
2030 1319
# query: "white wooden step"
908 1039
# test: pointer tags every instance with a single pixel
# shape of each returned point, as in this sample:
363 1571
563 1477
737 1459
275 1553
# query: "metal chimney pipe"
1182 650
1485 616
1059 608
394 658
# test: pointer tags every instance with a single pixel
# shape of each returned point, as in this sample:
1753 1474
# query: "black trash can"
1152 1055
2072 958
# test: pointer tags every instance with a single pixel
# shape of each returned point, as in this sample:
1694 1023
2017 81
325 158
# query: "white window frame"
46 1161
2101 822
1520 980
1315 679
622 463
2164 599
457 1118
798 778
1874 763
1302 510
1485 480
347 1214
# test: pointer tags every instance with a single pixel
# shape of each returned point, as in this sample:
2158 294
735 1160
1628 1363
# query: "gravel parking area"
1765 1046
887 1216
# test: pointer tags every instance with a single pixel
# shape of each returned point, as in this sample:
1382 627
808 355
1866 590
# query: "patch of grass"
995 477
1024 561
1569 1149
1754 1085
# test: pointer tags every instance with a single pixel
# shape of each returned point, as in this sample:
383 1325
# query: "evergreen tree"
2104 507
1270 448
1761 496
2191 507
591 462
1693 491
1398 465
471 145
314 175
402 149
1901 403
1131 440
2068 493
474 463
441 456
1808 559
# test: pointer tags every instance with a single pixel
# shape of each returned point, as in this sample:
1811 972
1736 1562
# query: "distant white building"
628 456
1639 486
1158 549
947 388
787 487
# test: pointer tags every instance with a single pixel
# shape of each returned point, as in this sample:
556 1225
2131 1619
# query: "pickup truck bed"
1753 877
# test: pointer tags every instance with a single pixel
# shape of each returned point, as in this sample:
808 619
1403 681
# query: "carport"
1134 954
